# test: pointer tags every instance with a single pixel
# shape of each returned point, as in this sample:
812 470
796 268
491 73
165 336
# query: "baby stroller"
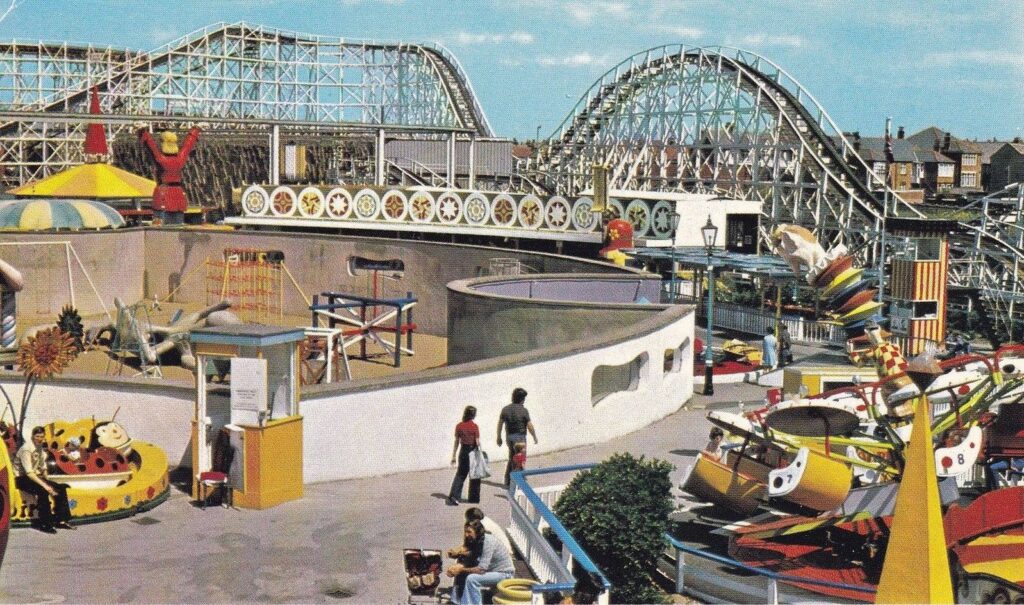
423 575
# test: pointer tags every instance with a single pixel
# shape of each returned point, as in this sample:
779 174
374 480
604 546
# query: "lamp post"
674 222
709 232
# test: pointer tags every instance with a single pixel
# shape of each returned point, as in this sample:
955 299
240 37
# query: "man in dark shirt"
516 419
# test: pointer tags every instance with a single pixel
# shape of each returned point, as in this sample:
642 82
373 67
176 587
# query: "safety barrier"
530 513
771 592
743 319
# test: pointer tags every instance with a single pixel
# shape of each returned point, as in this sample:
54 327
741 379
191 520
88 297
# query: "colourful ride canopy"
38 215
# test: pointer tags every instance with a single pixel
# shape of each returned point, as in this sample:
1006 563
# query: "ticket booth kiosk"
246 421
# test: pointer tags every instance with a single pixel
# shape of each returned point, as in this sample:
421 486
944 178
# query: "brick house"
965 156
1007 165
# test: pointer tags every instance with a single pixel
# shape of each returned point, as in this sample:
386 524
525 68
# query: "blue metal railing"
518 482
773 577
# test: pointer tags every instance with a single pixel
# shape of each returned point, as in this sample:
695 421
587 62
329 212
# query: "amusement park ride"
829 473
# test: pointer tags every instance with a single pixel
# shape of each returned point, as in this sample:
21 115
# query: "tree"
618 512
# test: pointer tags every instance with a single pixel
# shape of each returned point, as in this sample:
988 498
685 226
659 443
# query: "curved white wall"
374 429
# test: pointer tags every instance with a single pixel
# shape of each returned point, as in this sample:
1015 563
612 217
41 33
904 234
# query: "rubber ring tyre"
513 590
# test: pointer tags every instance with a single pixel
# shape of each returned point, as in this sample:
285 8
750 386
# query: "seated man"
996 467
494 565
30 466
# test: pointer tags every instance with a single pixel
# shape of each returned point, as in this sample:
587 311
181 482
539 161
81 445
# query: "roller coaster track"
726 121
230 71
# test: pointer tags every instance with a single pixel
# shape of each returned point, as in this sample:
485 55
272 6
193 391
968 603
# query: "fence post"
680 570
773 591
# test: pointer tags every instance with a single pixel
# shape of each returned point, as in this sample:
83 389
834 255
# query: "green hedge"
618 512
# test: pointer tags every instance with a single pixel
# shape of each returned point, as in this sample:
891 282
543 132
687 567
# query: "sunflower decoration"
70 322
47 353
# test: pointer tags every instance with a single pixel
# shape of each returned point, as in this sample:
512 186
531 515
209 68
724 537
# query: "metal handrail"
518 482
772 576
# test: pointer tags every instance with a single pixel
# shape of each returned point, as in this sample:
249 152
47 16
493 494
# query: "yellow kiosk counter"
818 379
247 434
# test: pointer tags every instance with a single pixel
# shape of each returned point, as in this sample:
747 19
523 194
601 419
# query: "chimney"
856 140
945 142
899 133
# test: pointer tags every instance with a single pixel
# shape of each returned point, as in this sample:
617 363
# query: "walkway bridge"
729 122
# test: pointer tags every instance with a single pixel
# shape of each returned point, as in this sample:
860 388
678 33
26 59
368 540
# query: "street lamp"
674 222
709 231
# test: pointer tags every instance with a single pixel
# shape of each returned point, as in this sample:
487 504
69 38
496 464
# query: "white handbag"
479 464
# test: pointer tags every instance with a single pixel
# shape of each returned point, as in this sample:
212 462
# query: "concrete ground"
341 542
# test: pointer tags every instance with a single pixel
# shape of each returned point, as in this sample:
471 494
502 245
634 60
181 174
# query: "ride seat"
210 483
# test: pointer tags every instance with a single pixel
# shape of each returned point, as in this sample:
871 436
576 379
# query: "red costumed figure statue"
169 201
618 234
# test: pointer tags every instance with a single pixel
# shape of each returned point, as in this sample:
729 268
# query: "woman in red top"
467 434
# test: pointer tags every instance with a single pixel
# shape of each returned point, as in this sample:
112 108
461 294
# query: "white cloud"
464 38
585 12
975 56
761 40
583 59
680 31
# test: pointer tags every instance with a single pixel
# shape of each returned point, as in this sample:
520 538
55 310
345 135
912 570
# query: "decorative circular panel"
366 203
477 209
503 210
638 213
583 216
661 219
395 206
449 208
557 213
255 201
339 203
311 202
615 209
531 212
282 201
421 207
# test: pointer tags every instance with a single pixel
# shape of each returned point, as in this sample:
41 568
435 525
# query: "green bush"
618 512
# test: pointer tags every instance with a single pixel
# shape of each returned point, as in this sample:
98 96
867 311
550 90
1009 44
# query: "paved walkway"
341 542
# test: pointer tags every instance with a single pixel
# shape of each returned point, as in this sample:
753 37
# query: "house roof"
1018 147
987 148
927 138
930 156
872 149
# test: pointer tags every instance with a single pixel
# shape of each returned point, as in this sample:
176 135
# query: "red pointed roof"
95 136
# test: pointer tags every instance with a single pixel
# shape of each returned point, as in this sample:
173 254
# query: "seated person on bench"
493 566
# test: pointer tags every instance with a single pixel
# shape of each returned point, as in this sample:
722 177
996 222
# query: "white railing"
743 319
531 513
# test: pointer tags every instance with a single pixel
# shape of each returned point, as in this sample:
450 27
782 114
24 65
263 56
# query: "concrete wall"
375 427
319 263
535 312
380 426
159 412
114 261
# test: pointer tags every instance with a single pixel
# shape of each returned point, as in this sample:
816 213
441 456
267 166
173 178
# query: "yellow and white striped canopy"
40 215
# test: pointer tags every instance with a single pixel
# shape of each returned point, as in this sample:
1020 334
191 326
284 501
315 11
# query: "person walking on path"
516 420
467 439
769 351
785 347
30 466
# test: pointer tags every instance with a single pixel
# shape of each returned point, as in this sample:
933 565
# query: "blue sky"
959 66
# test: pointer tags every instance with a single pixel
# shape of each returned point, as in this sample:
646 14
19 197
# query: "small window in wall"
607 380
674 357
926 309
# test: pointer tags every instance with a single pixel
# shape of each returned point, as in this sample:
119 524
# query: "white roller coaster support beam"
275 155
378 173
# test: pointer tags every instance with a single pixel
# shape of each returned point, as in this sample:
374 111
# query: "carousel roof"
95 181
38 215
